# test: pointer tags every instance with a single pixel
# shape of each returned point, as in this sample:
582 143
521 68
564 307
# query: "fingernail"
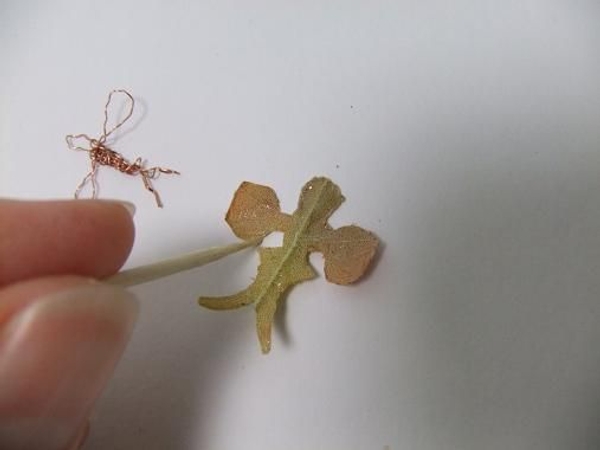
56 356
130 207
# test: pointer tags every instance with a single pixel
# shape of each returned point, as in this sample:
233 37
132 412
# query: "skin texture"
61 331
87 238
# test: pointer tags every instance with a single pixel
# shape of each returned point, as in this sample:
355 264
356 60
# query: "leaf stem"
150 272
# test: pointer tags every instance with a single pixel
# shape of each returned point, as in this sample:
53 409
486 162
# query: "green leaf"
255 212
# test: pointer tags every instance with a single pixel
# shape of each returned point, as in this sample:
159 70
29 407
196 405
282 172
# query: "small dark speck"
379 220
337 166
351 106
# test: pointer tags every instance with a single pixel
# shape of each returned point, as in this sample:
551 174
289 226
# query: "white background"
465 134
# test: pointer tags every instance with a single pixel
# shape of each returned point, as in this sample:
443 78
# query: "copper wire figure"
101 155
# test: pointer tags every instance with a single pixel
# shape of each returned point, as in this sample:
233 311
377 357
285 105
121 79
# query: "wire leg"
168 171
153 170
148 186
94 182
90 176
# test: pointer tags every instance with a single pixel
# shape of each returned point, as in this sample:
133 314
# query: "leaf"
255 212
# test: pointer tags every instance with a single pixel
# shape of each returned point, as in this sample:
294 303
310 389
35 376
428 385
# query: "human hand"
61 332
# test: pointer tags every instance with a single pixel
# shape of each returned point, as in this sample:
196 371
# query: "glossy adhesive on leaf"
255 212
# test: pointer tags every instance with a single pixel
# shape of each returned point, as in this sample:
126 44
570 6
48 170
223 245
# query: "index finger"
80 237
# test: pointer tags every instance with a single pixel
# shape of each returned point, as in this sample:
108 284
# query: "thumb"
60 339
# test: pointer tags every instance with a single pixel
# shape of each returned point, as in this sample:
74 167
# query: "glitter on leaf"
255 212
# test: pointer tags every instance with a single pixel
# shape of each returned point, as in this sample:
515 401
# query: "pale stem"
150 272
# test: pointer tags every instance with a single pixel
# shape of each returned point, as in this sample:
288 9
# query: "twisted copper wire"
102 155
